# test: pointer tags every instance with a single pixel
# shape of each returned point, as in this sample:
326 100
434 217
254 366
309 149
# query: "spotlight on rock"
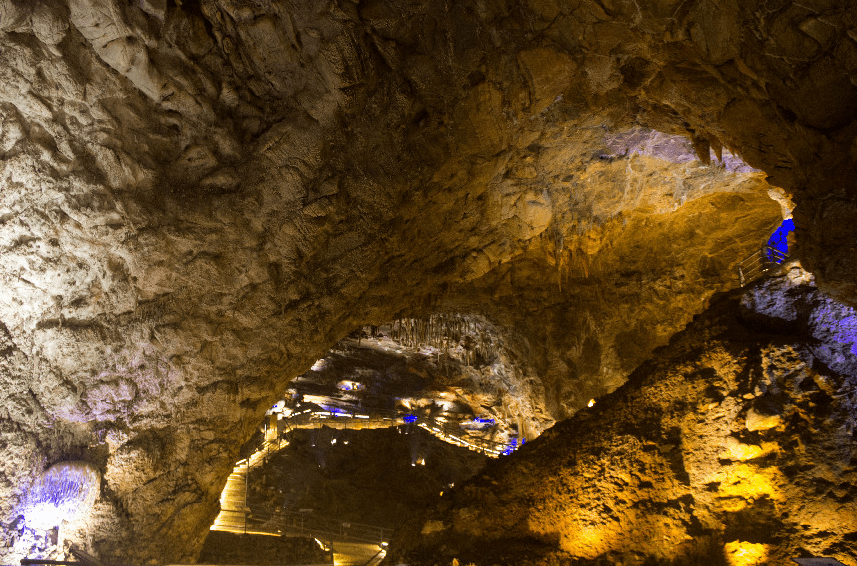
64 492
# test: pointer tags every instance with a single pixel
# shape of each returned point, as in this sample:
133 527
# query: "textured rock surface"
737 437
200 197
467 371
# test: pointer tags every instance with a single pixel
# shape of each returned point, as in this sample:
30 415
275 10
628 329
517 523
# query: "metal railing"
237 516
453 434
270 521
759 264
449 432
81 559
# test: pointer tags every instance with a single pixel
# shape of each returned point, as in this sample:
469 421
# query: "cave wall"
199 198
583 309
734 445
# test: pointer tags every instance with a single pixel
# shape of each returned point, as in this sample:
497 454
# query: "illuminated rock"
670 467
64 492
757 421
199 198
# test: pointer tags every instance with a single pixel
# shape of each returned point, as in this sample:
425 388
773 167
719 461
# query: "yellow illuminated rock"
736 450
665 467
756 421
739 553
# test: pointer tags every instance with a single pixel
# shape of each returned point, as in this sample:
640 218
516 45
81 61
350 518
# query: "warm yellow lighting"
742 483
739 553
735 450
591 402
586 540
758 421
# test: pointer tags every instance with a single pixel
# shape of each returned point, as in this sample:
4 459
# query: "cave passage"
778 243
198 199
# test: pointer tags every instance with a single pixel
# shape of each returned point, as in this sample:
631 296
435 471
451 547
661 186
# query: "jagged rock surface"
737 437
200 198
430 370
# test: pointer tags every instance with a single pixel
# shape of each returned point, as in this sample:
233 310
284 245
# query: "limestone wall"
200 197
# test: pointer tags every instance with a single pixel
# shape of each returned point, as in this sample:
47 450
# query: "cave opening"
392 417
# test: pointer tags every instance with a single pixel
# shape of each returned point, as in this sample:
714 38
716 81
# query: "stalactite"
444 333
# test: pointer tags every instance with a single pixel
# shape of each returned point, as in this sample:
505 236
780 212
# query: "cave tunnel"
778 243
200 200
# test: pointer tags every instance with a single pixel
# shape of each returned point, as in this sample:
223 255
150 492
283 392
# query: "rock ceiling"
200 197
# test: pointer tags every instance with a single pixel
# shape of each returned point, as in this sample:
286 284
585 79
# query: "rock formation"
736 440
200 197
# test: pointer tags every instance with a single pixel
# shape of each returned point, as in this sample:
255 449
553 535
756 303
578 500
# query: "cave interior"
527 282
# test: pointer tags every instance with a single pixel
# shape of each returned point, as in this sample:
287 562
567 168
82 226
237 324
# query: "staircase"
236 516
233 498
760 264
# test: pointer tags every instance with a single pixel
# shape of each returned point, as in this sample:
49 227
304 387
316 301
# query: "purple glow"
667 147
65 492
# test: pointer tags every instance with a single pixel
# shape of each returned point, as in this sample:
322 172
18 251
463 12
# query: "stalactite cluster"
446 333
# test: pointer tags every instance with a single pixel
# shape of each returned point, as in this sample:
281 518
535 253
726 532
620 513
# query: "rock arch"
200 197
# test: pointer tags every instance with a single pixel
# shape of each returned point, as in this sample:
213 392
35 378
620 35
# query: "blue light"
334 410
513 445
66 491
410 418
779 241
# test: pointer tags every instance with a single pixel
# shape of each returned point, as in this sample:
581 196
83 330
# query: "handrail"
442 431
237 516
267 520
760 263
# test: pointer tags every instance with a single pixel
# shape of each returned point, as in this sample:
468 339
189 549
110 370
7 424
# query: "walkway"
449 432
260 520
236 516
770 256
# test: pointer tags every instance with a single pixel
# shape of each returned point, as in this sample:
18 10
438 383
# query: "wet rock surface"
737 438
200 198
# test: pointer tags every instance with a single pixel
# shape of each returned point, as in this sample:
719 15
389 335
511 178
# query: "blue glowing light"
65 492
513 445
410 418
779 241
334 410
